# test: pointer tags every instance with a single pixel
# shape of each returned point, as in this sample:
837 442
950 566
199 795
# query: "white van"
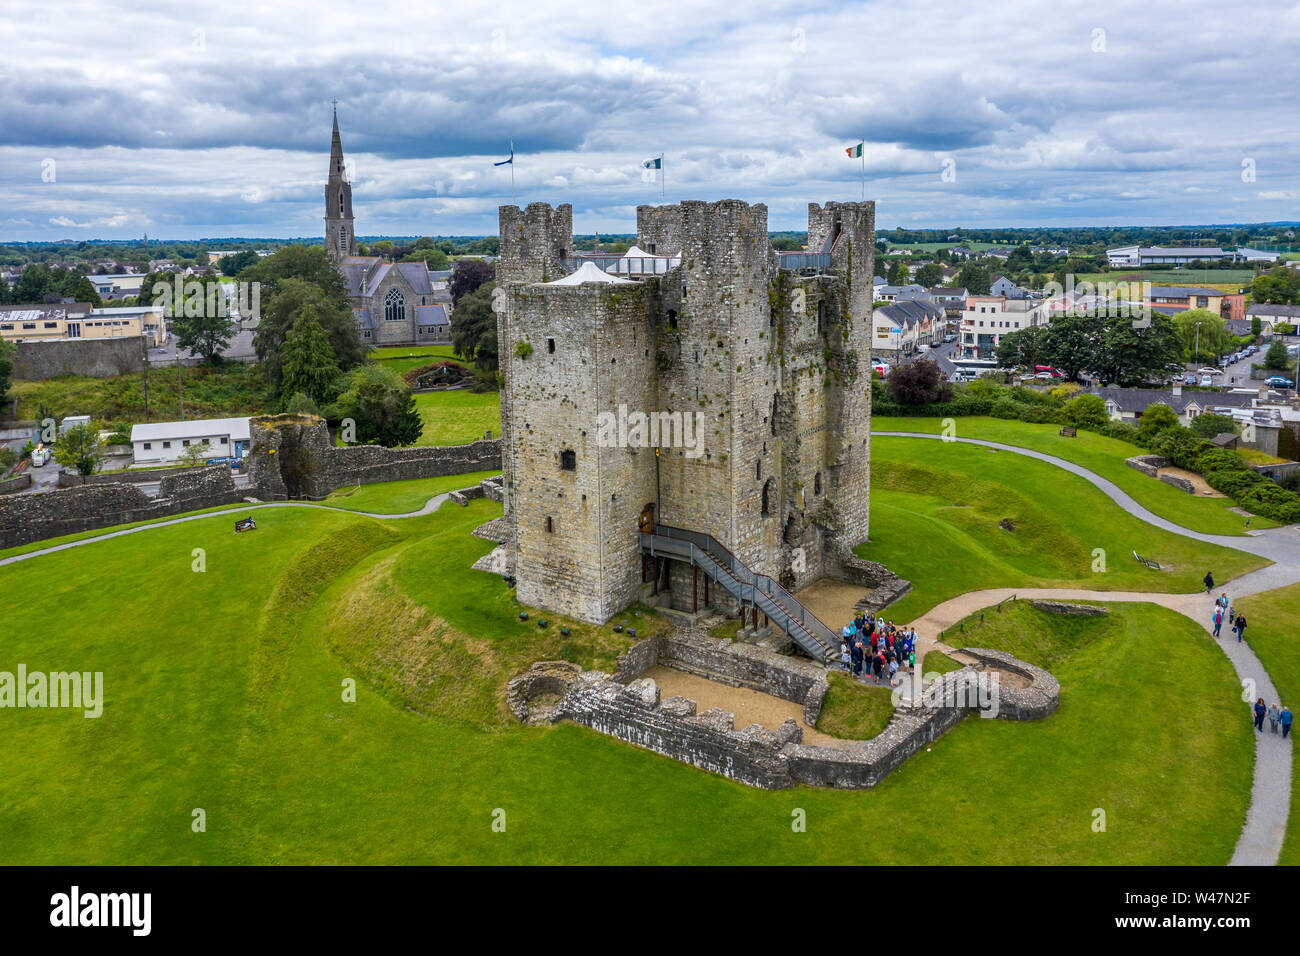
40 456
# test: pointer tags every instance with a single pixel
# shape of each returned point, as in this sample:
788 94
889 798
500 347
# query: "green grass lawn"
1102 455
403 358
224 691
854 711
937 662
1270 631
402 497
458 417
937 525
1225 280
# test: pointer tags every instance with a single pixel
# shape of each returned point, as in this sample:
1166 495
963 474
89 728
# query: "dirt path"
1203 489
832 601
749 706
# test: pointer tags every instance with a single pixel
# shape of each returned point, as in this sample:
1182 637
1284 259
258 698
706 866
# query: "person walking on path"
1240 627
1218 621
1260 712
1209 581
1285 719
1273 714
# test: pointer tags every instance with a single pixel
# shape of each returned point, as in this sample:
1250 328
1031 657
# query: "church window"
394 306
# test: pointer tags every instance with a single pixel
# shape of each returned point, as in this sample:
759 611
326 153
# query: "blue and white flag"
511 160
656 163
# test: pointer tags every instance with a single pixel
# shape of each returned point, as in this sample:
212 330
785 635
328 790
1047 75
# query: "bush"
1085 411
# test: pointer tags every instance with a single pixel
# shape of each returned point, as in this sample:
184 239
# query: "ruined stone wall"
28 518
659 229
293 456
96 358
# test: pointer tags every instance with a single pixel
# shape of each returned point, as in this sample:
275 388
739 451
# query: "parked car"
950 337
1189 379
1209 371
882 368
1279 381
1206 381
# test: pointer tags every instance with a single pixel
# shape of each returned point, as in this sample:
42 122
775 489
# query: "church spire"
340 239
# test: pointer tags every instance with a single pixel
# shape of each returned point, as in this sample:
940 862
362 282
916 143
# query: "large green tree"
1279 286
309 367
974 278
201 320
237 262
1072 343
381 406
1213 337
79 448
1022 347
474 328
291 297
1128 354
929 275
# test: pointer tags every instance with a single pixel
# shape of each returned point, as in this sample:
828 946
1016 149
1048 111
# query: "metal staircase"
755 590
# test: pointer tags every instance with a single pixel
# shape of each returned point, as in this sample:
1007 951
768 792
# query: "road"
940 355
240 349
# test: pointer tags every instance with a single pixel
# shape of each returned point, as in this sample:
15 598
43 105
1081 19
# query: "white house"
162 443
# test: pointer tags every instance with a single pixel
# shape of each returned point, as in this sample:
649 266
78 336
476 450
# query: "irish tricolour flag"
854 151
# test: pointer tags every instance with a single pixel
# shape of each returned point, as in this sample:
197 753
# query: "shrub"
1085 411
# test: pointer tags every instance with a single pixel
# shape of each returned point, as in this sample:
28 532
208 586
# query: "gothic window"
768 491
343 237
394 306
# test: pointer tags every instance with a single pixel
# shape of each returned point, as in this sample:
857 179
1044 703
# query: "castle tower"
768 357
340 237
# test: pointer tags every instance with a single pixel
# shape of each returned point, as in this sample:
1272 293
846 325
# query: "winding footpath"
430 506
1260 843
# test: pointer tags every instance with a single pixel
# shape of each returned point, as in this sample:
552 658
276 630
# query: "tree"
1022 347
309 367
467 275
929 275
8 355
1213 338
1279 286
898 274
1085 411
1129 355
201 322
279 314
194 454
381 405
84 291
974 278
1157 418
1071 344
237 262
308 263
1256 327
78 448
919 383
1276 358
1210 424
474 329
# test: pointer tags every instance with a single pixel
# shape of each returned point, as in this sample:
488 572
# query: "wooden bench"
1069 431
1153 565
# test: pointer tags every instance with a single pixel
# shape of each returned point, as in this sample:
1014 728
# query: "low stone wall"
1149 465
133 476
16 483
97 358
1074 610
886 587
627 705
28 518
1179 482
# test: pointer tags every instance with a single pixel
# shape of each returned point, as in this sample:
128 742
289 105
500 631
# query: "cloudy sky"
189 120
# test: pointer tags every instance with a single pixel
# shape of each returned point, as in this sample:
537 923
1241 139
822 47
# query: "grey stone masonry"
627 705
1074 610
96 358
293 456
1149 465
28 518
770 362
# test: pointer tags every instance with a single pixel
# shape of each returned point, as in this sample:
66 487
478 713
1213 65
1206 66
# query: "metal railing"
804 260
760 590
623 265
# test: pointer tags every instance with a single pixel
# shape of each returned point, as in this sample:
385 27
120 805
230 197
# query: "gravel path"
1261 838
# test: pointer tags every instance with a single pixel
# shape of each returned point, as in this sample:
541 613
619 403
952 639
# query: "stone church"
395 303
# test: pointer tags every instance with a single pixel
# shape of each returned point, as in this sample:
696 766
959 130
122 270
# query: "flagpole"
864 169
512 172
663 189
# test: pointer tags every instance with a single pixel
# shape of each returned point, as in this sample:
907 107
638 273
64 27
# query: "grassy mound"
953 518
854 711
1025 632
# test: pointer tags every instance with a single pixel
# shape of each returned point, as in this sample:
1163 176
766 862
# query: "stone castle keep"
702 316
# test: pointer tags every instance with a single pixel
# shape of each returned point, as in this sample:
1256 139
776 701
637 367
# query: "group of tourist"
874 647
1279 717
1224 610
